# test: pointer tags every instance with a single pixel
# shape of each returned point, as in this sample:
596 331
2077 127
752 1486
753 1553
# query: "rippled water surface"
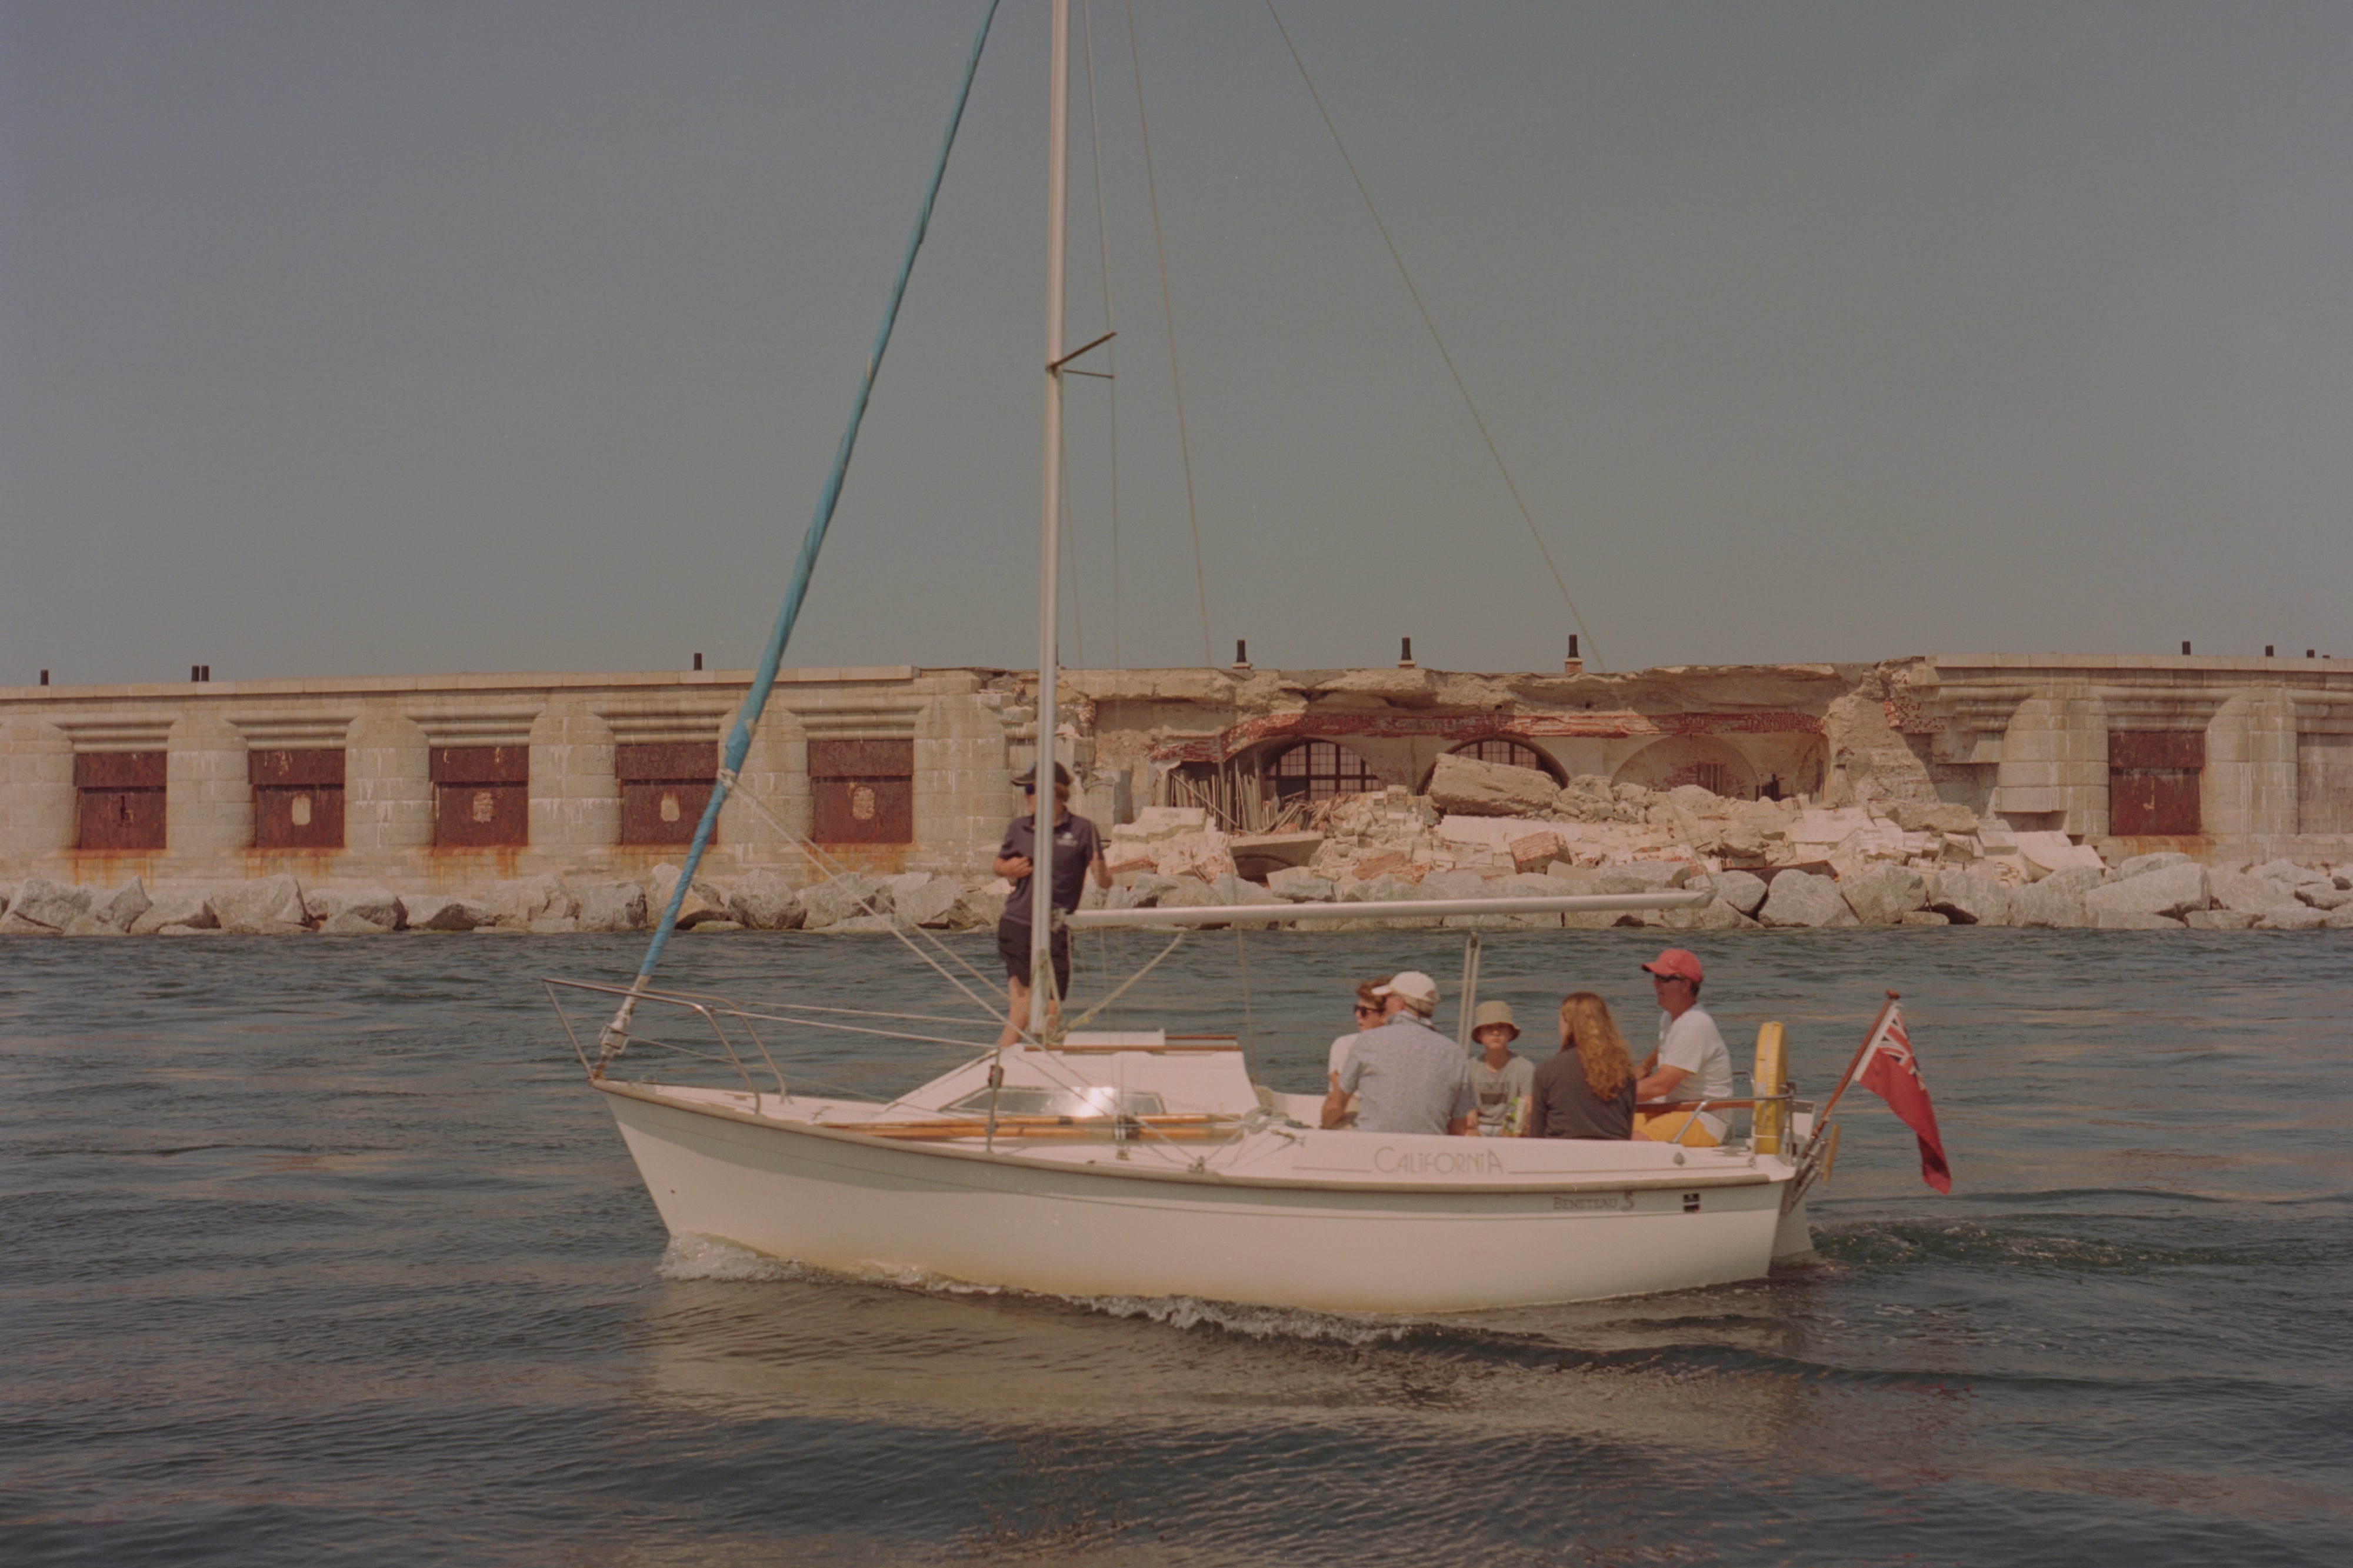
318 1250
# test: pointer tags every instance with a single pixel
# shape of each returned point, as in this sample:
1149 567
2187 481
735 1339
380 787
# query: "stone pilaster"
2055 759
37 793
963 781
576 796
208 799
775 773
2248 787
387 793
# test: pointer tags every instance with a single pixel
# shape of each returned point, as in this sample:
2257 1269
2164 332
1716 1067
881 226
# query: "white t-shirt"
1691 1044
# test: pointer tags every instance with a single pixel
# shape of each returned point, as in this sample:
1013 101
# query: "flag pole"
1822 1117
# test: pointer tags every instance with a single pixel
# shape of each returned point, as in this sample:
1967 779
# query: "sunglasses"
1364 1008
1658 979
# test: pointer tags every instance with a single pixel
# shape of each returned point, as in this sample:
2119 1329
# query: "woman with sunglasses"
1369 1008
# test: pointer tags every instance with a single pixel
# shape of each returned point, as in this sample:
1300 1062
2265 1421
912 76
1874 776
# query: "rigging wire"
1168 315
1526 516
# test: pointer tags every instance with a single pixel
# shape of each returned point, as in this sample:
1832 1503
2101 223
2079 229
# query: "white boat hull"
1355 1238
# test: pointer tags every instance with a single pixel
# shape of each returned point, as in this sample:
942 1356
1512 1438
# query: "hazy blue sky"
361 338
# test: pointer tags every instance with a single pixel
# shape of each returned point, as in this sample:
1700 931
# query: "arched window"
1513 753
1318 770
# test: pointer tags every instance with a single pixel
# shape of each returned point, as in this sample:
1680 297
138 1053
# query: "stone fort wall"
452 783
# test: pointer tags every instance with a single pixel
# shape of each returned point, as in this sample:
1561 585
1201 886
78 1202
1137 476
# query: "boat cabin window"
1016 1100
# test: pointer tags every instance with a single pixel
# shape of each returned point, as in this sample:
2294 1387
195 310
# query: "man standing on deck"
1411 1078
1691 1062
1078 849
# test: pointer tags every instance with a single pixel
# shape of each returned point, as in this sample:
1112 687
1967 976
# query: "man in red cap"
1691 1062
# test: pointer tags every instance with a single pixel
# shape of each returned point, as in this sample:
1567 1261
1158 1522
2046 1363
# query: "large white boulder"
1301 886
1966 898
438 912
192 911
2047 852
2156 862
2132 920
2056 900
378 908
848 896
52 906
1884 894
122 908
1932 816
764 899
2287 873
2247 894
1474 788
2171 891
527 901
611 906
2294 917
266 906
1743 891
1802 899
927 900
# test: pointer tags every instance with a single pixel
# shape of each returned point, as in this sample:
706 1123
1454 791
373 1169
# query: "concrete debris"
90 925
1465 784
2131 920
2220 920
2239 892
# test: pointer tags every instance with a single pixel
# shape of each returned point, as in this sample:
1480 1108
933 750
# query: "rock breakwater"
1485 830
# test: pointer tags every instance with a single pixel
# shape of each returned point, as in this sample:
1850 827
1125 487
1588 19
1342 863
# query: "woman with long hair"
1586 1091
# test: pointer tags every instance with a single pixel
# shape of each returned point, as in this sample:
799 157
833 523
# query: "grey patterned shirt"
1411 1079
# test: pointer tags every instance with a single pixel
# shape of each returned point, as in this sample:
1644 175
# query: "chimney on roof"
1241 654
1574 663
44 678
698 661
1405 653
2185 647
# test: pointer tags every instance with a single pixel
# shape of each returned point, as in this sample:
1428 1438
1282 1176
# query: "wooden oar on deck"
1165 1126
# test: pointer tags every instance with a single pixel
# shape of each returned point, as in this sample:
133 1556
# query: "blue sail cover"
747 718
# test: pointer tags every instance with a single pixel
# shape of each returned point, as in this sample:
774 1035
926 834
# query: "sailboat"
1091 1162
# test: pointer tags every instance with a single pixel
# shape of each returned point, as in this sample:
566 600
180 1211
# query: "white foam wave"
692 1256
1258 1322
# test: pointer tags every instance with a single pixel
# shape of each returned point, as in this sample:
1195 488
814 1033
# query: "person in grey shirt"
1407 1077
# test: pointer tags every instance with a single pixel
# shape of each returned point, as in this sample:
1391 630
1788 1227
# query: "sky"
446 335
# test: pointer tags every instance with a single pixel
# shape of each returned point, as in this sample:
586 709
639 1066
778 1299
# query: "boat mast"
1041 875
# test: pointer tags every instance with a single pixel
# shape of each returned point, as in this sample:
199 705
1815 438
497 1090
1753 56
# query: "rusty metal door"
119 800
298 799
2153 776
665 789
482 797
862 791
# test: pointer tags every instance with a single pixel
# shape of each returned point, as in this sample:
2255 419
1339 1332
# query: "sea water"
318 1250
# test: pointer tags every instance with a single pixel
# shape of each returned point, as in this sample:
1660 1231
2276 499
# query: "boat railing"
705 1033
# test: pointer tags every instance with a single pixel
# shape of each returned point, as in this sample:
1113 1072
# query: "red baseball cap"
1676 961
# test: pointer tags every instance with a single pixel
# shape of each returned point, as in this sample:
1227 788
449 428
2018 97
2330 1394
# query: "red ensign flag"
1891 1071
